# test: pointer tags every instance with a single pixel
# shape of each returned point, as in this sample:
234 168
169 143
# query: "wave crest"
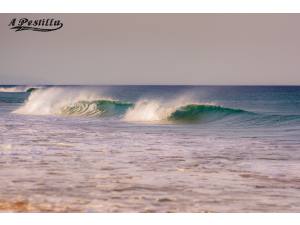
177 110
147 111
18 89
74 102
51 101
96 108
195 112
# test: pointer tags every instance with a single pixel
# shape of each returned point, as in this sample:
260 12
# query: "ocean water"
150 148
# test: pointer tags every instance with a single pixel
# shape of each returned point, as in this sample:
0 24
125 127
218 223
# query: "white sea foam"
51 101
157 110
6 147
145 110
70 101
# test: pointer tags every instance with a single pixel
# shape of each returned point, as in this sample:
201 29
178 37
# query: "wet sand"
24 206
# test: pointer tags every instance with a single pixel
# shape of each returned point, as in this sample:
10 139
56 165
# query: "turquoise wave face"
210 113
192 113
242 107
97 108
187 113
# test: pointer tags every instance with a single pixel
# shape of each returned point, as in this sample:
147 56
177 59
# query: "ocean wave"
154 110
96 108
54 100
69 102
150 111
194 112
18 89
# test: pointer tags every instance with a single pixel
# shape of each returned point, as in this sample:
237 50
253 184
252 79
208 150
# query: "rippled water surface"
229 149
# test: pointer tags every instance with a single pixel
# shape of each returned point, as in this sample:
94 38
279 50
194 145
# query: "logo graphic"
41 25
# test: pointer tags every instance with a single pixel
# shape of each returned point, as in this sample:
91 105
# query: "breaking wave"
54 101
59 101
18 89
190 113
96 108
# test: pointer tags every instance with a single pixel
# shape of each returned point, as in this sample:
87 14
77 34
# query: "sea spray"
51 101
88 102
147 111
70 102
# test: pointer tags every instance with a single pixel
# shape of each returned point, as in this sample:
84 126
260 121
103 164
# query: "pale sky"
197 49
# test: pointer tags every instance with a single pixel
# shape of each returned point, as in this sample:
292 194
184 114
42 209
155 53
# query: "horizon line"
150 84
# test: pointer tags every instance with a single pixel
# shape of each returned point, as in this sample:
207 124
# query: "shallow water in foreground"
86 163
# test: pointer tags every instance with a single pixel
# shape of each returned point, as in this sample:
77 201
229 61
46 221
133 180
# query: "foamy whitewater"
150 148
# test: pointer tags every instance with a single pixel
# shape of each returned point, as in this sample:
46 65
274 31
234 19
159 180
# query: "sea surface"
150 148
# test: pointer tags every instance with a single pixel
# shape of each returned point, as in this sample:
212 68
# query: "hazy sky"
153 49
